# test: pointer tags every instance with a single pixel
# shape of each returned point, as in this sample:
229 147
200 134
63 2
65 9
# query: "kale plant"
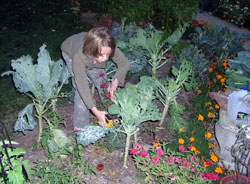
42 82
133 105
218 41
238 71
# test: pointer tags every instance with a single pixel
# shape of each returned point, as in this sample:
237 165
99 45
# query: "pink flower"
189 147
138 146
160 152
140 23
143 153
109 24
208 163
115 15
114 9
168 159
111 103
155 160
185 163
177 160
133 151
181 148
103 85
101 74
108 96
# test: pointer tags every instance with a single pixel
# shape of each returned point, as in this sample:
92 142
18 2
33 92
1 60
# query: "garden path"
205 16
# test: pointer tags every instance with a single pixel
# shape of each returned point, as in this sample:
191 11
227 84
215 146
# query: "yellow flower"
213 157
199 91
218 170
156 143
216 106
181 130
200 117
210 114
210 145
208 135
191 139
162 27
193 149
181 141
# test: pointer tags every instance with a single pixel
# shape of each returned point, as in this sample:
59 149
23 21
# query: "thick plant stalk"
40 122
164 113
126 150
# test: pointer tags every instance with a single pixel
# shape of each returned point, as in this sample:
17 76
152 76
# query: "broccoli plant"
42 82
152 45
133 105
169 88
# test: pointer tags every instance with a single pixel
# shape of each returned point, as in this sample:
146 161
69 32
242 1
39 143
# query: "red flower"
103 85
111 103
100 167
108 96
101 74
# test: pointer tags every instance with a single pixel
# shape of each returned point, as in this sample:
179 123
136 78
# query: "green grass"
24 27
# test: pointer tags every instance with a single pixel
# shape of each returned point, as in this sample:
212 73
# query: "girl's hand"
100 115
112 88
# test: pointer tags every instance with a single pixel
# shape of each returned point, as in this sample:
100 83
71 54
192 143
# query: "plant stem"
126 150
165 110
40 119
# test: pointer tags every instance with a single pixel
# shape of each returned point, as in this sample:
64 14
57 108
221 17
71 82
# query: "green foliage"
238 71
59 170
90 134
42 82
197 59
169 88
218 41
150 42
18 170
133 105
163 165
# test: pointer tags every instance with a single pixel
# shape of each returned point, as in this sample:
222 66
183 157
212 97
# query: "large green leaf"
25 120
90 134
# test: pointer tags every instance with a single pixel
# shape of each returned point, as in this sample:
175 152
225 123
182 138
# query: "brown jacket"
72 46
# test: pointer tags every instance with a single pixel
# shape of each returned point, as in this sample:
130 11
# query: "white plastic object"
238 107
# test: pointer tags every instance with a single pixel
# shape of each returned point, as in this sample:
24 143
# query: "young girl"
86 55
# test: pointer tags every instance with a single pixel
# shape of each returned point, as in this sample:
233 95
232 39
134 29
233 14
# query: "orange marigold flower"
181 141
209 83
156 143
162 27
218 170
170 19
200 117
210 114
208 103
200 22
199 91
191 139
213 157
225 60
216 106
210 69
218 76
211 108
197 152
208 135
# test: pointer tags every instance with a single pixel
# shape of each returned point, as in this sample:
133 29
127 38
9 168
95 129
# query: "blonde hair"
95 39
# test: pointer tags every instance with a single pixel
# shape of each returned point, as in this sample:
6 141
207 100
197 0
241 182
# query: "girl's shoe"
76 129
